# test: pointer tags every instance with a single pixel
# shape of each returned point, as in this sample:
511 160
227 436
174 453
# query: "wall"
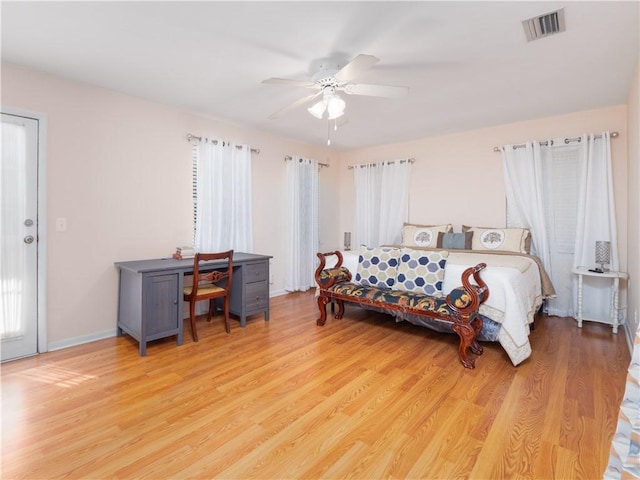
633 119
458 178
119 170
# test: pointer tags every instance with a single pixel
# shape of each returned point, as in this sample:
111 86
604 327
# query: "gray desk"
150 294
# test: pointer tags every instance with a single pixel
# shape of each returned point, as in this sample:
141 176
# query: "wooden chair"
209 286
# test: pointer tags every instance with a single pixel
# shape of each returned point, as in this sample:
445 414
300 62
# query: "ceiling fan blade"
295 104
355 67
386 91
292 83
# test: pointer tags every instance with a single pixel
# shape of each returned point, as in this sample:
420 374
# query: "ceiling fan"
332 78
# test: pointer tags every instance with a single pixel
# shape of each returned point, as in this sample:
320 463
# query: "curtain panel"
563 193
382 202
302 225
223 199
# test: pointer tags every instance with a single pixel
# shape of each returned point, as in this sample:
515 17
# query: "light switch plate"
61 224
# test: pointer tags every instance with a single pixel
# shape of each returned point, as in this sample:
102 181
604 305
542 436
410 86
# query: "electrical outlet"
61 224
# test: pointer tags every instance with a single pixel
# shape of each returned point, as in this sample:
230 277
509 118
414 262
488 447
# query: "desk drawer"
255 272
257 296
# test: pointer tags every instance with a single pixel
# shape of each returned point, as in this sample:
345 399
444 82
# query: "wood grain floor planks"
362 397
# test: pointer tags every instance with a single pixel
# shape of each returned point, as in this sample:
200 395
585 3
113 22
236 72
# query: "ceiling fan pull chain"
328 133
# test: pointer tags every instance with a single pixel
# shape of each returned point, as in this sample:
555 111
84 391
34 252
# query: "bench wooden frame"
465 321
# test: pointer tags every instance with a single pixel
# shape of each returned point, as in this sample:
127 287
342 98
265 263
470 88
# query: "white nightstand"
614 308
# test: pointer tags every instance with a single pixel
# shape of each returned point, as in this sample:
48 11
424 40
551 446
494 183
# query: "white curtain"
382 202
596 220
302 223
12 214
223 205
525 207
563 193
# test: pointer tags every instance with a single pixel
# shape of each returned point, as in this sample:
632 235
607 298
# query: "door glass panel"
19 236
12 214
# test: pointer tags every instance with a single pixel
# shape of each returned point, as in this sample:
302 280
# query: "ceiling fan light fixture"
318 109
335 107
332 78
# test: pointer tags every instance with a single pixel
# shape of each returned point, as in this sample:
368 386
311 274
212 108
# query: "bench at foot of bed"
459 308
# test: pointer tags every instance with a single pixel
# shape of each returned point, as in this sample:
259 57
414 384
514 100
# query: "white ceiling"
467 64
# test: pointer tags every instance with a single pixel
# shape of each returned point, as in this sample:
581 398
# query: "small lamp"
603 254
347 240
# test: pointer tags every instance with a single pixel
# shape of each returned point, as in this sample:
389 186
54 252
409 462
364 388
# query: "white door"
19 234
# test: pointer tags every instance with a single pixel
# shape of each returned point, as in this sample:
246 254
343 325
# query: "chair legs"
192 319
227 323
212 307
212 310
210 314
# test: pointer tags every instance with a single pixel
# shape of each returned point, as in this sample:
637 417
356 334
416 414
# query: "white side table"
613 308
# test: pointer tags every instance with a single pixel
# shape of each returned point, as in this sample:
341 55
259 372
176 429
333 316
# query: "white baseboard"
72 342
92 337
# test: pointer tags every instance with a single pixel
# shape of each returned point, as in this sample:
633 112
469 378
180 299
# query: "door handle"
28 239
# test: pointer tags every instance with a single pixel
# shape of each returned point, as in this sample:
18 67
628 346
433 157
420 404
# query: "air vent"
544 25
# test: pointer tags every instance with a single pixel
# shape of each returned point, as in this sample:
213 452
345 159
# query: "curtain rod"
289 157
215 142
566 141
410 160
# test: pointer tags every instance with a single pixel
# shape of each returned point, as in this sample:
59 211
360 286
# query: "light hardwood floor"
361 397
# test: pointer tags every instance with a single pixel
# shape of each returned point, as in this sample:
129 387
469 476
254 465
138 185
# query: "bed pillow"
422 235
455 241
499 239
421 272
377 267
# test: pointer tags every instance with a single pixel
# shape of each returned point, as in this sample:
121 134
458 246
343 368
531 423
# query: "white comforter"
515 293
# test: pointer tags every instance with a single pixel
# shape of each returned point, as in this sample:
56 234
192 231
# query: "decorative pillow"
502 239
377 267
420 271
422 235
455 241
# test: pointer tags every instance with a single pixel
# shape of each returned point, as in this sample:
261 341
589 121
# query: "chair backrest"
214 276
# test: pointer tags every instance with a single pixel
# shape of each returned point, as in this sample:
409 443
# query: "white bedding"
515 293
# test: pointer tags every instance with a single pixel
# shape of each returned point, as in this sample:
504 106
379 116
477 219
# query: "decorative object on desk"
603 254
184 253
347 240
209 286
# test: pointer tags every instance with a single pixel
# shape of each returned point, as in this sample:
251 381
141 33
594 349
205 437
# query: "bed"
518 284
